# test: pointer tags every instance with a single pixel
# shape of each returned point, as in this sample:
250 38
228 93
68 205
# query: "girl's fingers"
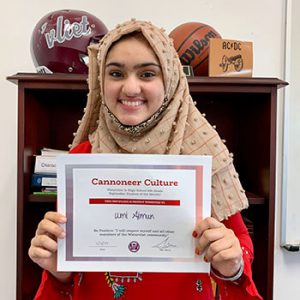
219 246
47 227
55 217
45 242
50 225
226 256
208 223
208 237
39 253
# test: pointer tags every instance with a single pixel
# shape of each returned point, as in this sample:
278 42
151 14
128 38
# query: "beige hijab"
179 129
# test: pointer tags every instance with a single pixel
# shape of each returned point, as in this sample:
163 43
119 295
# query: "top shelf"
193 81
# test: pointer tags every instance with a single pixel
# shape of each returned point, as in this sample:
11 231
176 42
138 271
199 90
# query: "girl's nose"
131 86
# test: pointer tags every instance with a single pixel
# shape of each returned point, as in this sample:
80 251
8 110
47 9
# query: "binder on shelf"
45 164
40 181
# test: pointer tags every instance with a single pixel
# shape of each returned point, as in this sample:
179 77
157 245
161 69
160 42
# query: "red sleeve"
50 288
84 147
245 288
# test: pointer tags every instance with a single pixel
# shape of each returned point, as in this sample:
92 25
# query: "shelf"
195 82
255 199
243 110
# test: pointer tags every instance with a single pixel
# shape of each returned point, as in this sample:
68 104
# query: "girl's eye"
116 74
148 74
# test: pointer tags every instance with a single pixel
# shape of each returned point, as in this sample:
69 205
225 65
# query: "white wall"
287 264
260 21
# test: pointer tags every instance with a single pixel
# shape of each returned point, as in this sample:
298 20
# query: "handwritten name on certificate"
132 212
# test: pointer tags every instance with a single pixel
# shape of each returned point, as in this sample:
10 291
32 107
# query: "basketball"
191 41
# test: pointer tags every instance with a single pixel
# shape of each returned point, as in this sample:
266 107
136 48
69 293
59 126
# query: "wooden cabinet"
244 111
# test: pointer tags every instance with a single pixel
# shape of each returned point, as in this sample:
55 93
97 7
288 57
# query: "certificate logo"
134 246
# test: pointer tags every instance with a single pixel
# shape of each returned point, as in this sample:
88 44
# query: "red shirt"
146 286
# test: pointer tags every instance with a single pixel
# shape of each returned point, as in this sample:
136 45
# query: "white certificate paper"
131 212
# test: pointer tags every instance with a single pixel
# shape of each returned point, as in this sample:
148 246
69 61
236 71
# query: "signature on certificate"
164 244
103 244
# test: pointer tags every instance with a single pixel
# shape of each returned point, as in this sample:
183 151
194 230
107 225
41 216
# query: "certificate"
132 212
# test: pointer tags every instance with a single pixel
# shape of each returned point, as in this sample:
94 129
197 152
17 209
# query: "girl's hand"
43 248
219 245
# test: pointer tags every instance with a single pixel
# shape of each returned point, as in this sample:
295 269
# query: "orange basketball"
191 41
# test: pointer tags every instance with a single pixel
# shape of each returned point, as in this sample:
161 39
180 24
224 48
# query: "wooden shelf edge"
255 199
237 81
36 77
193 80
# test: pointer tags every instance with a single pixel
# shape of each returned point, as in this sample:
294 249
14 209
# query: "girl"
139 102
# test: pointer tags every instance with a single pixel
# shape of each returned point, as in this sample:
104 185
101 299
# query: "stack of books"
44 179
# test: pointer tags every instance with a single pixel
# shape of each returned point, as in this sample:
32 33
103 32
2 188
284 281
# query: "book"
49 189
40 181
52 152
43 180
45 164
45 193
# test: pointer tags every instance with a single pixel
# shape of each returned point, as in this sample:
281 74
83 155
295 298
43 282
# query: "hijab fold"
179 129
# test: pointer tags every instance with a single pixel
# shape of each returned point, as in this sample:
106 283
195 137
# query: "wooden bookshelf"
243 109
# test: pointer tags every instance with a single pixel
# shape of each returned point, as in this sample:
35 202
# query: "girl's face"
133 81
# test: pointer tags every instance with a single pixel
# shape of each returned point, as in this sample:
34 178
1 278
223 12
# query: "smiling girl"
139 102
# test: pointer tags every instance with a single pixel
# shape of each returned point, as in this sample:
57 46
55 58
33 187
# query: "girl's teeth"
131 103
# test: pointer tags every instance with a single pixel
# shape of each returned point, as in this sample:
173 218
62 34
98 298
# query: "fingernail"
62 235
197 251
195 233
